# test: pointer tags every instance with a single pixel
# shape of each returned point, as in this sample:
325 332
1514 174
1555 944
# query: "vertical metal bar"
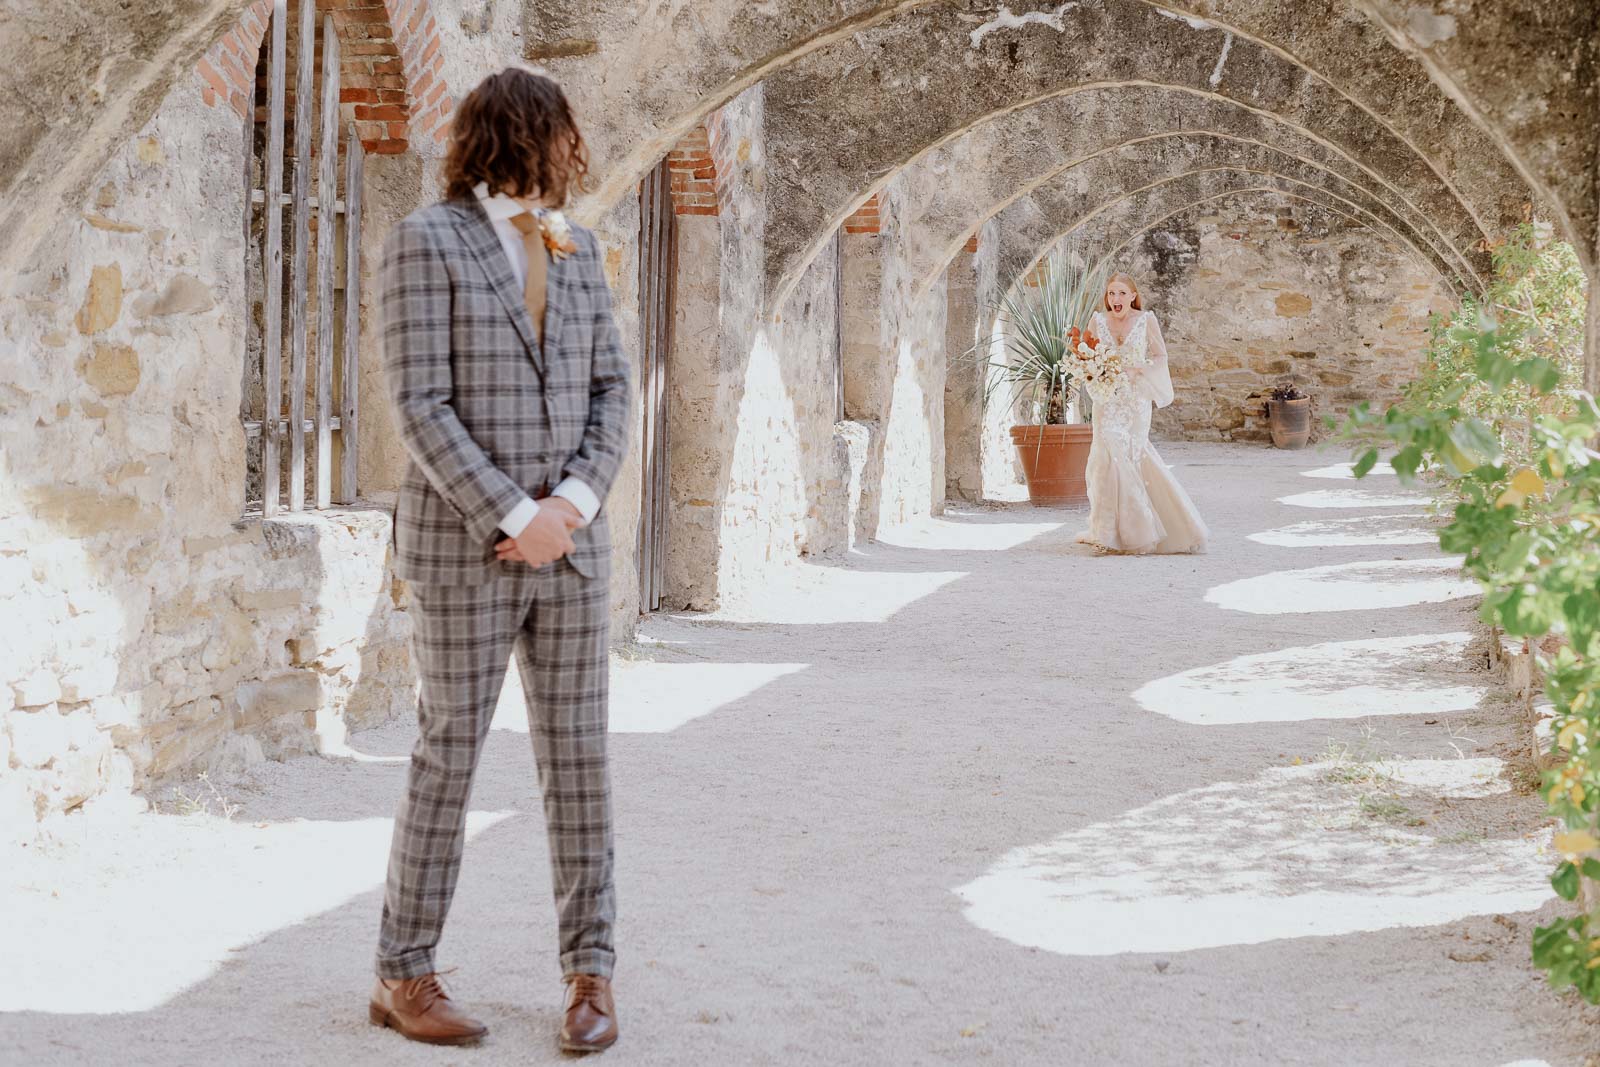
669 294
647 192
349 433
298 264
252 281
272 217
838 324
327 244
654 397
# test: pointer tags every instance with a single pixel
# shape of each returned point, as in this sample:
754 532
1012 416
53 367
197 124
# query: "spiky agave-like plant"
1037 364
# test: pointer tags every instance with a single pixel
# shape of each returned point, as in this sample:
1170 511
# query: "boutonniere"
557 233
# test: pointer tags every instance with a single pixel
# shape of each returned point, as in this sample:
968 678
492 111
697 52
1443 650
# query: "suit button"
541 458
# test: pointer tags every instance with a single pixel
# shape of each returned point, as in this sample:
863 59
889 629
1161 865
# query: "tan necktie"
533 289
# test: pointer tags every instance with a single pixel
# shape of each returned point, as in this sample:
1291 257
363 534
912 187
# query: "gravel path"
975 795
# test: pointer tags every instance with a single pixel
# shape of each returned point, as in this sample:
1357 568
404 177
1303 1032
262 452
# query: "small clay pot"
1054 462
1290 422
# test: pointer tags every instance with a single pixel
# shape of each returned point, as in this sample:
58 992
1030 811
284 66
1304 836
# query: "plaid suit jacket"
486 415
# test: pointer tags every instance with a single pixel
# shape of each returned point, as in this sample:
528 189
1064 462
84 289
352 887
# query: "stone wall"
1253 292
147 628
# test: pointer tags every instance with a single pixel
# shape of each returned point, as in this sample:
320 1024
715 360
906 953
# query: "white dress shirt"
500 209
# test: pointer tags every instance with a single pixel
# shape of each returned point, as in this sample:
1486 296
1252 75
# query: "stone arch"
971 179
1116 176
1511 69
391 75
1126 236
1342 49
807 99
1527 75
1144 208
1347 49
685 67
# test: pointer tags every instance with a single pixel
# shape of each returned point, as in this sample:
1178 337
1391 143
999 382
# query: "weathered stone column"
963 383
702 397
868 376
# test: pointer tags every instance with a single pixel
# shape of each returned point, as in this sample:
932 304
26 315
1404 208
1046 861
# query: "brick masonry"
391 80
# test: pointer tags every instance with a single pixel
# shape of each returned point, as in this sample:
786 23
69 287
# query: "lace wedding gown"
1135 504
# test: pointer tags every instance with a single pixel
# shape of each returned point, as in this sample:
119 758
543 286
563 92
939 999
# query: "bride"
1135 504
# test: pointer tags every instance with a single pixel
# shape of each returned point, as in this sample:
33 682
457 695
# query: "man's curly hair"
515 132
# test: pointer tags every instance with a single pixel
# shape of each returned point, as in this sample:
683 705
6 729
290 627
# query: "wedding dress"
1135 503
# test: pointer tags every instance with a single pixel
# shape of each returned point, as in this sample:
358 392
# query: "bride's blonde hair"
1105 300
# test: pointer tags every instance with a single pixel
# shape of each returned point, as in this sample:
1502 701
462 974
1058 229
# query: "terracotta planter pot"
1054 459
1290 422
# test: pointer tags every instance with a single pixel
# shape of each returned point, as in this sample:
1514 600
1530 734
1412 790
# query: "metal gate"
658 269
313 315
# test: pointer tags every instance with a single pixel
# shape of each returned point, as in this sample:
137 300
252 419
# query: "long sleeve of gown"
1155 382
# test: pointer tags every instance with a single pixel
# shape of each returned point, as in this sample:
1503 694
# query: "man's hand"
547 537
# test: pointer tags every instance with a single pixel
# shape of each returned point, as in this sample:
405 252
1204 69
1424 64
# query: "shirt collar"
498 206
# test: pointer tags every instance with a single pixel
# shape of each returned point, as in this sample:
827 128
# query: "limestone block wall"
146 629
1252 293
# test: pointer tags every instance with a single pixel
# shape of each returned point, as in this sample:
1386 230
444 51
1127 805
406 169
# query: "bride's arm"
1155 381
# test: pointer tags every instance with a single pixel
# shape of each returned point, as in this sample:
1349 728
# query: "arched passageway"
808 213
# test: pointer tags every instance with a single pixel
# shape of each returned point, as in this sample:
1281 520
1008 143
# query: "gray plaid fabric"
486 416
557 621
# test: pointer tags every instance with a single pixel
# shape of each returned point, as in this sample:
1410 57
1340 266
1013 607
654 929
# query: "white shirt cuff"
517 521
579 496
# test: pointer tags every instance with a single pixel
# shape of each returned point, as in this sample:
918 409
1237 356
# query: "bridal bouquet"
1099 366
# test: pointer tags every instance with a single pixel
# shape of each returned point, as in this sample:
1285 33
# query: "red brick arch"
391 75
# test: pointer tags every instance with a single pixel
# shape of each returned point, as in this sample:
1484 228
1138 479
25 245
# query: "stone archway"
811 106
973 178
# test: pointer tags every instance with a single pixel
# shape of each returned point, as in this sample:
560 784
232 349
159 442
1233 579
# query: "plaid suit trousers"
557 622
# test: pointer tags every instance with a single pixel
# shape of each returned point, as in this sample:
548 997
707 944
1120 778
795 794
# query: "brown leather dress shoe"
591 1022
421 1010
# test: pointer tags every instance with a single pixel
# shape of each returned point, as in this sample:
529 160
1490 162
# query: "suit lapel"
477 232
555 303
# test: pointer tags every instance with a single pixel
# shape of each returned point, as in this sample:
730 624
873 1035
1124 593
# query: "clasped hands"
546 538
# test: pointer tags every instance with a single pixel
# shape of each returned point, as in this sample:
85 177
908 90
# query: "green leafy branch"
1497 423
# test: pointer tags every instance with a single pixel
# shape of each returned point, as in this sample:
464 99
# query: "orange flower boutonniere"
557 233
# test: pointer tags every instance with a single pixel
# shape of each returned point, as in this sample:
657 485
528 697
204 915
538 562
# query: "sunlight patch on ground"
943 535
1407 529
1291 853
1336 680
654 698
1016 493
1345 472
813 595
1361 586
1352 498
142 908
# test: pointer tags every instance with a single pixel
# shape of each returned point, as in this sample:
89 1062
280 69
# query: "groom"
510 391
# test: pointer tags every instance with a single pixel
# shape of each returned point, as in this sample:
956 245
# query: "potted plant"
1036 368
1289 416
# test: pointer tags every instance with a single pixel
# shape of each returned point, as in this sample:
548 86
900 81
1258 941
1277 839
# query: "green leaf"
1591 869
1565 882
1406 461
1475 439
1540 373
1364 465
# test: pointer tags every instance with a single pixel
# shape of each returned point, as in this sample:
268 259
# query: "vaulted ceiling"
1437 127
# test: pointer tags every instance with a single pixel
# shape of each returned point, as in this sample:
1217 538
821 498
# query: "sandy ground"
974 795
